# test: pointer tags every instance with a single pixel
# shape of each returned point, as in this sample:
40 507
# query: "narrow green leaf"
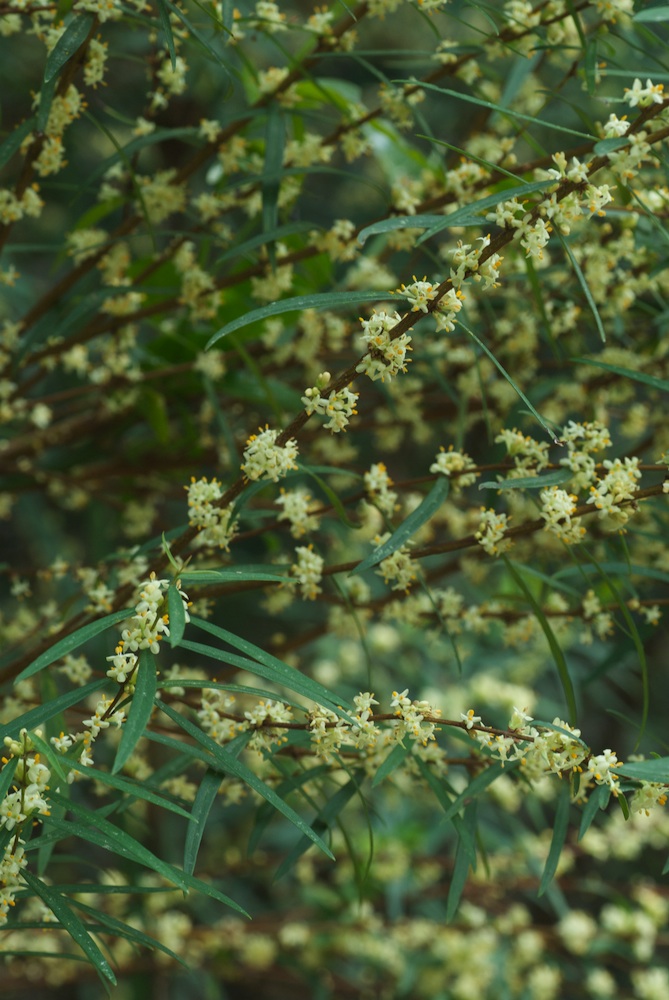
655 770
560 827
239 574
273 669
68 43
137 789
624 569
166 27
462 864
636 639
60 908
140 708
653 15
13 142
507 112
326 300
323 821
91 826
46 95
651 380
609 145
230 765
478 785
462 216
554 583
590 65
265 813
127 931
598 799
509 380
442 792
275 140
204 800
584 285
530 482
72 642
239 250
50 755
36 716
195 33
222 686
177 613
331 496
558 655
233 660
398 222
395 759
6 776
426 509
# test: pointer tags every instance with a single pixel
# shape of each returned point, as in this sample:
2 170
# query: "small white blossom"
263 457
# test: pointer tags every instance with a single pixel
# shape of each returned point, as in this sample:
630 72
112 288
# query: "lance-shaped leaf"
560 827
140 708
530 482
72 642
655 770
408 528
204 800
36 716
267 666
68 43
326 300
60 907
554 645
324 820
228 763
93 827
655 383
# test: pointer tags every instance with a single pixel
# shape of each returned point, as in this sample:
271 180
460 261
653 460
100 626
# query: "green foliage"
285 293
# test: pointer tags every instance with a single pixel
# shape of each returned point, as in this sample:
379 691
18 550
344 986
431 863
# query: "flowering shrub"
332 498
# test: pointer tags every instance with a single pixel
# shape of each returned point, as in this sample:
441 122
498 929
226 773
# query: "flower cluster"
583 440
387 356
264 458
411 719
338 406
449 306
619 484
398 567
214 523
260 719
150 622
215 704
491 530
447 463
557 510
328 731
31 780
419 294
378 485
25 802
638 96
308 571
465 262
296 510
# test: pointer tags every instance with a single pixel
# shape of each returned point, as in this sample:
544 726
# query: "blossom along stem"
128 225
470 542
